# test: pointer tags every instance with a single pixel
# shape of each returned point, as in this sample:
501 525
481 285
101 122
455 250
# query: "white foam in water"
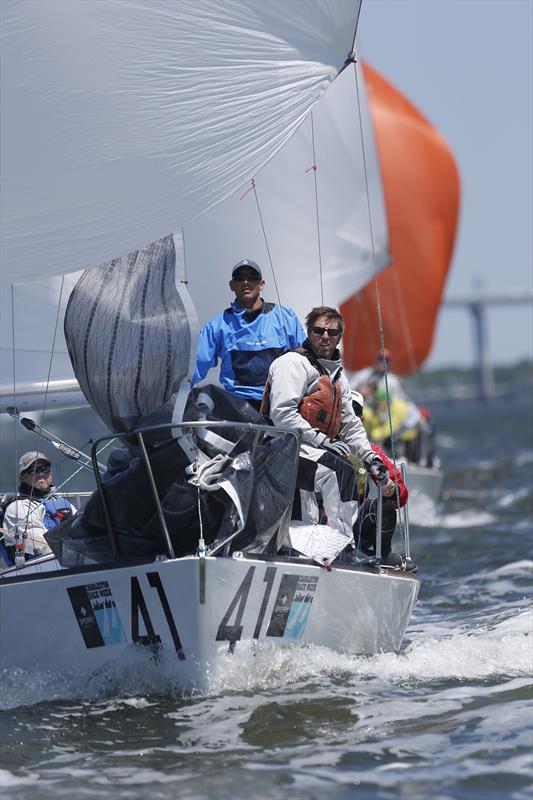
8 780
448 442
497 648
464 519
524 458
429 516
510 498
515 568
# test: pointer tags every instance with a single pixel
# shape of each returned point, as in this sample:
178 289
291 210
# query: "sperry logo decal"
97 615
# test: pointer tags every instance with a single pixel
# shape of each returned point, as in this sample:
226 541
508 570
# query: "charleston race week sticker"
97 614
292 606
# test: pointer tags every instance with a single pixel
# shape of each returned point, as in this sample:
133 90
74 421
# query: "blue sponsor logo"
97 615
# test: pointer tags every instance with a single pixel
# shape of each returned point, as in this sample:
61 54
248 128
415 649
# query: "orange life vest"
322 408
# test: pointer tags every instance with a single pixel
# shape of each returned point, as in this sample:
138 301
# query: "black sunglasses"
248 278
333 332
44 468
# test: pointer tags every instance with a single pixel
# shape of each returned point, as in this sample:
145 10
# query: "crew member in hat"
247 336
36 509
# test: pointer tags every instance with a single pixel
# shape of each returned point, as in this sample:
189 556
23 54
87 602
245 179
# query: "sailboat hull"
195 611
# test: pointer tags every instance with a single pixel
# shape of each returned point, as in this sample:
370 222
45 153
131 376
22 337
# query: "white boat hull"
195 610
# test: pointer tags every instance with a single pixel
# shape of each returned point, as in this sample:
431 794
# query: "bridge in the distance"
477 305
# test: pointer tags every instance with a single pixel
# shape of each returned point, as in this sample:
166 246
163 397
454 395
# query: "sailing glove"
379 472
336 446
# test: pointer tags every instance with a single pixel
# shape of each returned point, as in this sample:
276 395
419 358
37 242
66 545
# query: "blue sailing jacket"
246 342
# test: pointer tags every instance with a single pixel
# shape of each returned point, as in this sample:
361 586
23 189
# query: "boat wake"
431 517
500 648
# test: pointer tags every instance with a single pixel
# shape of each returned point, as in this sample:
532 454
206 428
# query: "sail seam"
89 327
164 303
140 351
114 335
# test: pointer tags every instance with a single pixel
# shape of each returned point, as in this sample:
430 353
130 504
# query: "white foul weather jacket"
26 517
291 377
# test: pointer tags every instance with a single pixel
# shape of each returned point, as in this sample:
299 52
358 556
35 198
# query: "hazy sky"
467 66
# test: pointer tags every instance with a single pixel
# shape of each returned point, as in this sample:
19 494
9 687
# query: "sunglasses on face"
332 332
247 278
42 470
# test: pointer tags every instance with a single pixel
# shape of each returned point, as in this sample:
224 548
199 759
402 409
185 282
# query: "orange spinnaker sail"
421 186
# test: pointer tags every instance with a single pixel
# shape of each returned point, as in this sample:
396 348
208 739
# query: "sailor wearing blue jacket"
247 336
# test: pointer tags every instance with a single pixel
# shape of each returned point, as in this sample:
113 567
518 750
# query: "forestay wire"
378 303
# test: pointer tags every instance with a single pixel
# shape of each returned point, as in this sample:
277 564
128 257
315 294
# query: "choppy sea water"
448 717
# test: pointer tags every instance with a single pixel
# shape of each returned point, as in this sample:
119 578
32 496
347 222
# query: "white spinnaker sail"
350 250
353 245
215 241
123 119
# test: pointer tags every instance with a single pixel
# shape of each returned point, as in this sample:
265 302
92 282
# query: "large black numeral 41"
230 628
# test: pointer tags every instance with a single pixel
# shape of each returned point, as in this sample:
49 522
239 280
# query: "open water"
448 717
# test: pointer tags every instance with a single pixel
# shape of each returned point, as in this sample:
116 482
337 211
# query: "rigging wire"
314 168
13 361
17 476
404 322
378 299
254 187
80 469
17 479
363 313
53 347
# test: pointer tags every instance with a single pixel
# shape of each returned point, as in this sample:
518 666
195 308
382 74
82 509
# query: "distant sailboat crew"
375 374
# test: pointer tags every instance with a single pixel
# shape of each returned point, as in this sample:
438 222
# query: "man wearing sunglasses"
36 509
247 336
307 391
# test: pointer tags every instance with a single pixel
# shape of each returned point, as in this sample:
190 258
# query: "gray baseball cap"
28 459
246 262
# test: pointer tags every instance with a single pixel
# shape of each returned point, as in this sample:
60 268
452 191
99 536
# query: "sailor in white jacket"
307 391
36 510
